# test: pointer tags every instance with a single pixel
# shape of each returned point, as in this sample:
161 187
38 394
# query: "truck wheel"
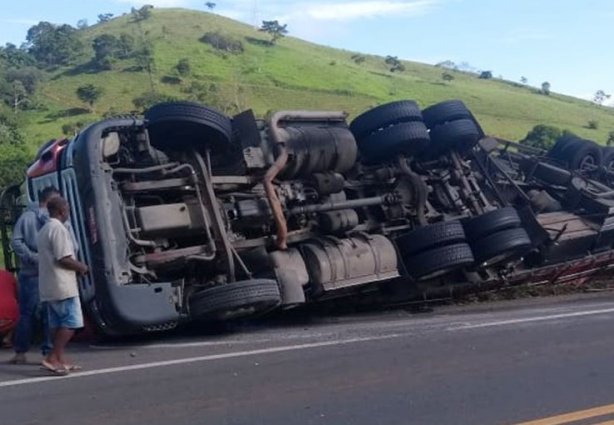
501 246
608 159
427 237
440 113
439 261
384 116
560 144
582 155
235 300
181 125
461 134
491 222
409 138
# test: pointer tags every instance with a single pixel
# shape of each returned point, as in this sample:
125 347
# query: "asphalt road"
502 363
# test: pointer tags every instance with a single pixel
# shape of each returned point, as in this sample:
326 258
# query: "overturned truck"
187 214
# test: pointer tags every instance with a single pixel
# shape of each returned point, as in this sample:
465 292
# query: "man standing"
58 270
24 244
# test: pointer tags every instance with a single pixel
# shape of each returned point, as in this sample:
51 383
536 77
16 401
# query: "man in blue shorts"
58 286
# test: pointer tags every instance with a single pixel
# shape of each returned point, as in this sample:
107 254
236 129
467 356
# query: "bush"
71 128
183 67
358 58
147 100
542 136
14 161
446 76
610 141
222 42
171 79
592 124
204 92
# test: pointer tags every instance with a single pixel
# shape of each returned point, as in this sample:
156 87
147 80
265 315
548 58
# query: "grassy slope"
298 75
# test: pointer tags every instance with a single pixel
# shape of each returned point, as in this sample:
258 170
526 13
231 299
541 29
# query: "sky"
564 42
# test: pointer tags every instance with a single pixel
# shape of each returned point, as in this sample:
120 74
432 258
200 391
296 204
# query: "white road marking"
531 319
176 344
175 362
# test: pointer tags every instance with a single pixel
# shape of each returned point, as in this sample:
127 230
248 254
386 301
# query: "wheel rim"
588 163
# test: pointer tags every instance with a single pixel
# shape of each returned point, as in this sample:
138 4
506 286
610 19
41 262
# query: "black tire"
384 116
235 300
582 155
491 222
607 160
501 246
432 236
439 261
440 113
408 138
181 125
560 144
551 174
461 134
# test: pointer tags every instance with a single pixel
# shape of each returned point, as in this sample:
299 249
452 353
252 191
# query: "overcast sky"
564 42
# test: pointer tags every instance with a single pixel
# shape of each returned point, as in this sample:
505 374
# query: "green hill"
293 74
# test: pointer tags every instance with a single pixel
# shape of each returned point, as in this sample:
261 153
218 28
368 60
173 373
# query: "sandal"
72 367
58 371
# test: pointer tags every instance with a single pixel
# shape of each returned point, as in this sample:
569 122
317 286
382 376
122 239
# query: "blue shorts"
65 313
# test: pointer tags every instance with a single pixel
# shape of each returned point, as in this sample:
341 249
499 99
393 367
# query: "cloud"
297 11
308 20
367 9
157 3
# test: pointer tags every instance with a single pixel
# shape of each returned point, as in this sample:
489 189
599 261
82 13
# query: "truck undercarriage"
190 215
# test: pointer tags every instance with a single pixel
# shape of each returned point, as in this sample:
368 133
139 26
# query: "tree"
446 64
600 97
183 67
210 5
546 88
126 46
106 47
14 156
358 58
9 128
147 100
16 57
485 75
524 80
89 94
53 44
104 17
446 76
142 13
19 95
274 29
144 56
82 24
395 64
21 85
